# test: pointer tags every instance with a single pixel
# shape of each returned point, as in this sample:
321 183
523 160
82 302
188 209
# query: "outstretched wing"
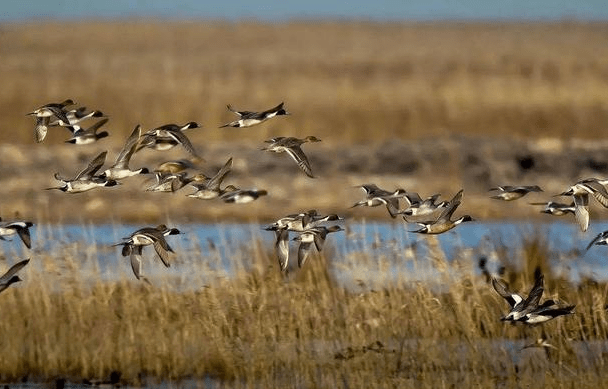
531 302
298 155
512 298
41 129
304 252
180 137
162 249
93 167
13 270
601 235
239 113
122 161
215 181
581 211
449 210
282 247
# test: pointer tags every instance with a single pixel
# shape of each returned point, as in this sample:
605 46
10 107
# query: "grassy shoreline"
257 327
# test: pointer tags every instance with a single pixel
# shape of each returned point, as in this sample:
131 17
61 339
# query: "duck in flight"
168 136
510 193
132 246
248 118
85 136
292 146
45 113
580 192
375 196
530 310
10 277
20 228
86 179
444 222
121 169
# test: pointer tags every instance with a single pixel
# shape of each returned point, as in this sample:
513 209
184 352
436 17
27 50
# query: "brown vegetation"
68 320
430 107
344 82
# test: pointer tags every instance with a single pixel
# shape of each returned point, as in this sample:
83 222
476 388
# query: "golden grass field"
432 107
253 327
346 82
402 90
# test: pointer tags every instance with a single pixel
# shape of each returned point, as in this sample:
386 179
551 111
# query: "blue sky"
268 10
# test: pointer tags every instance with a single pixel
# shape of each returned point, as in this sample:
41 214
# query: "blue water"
269 10
365 252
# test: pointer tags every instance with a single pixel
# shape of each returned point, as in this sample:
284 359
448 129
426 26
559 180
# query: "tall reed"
250 325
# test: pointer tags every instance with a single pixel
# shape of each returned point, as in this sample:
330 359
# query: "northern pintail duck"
45 113
301 222
86 179
133 245
248 119
20 228
547 311
291 146
510 193
304 220
444 222
600 239
121 169
171 182
85 136
176 166
316 235
376 197
79 114
418 207
556 209
168 136
281 245
530 311
242 196
10 277
519 305
210 187
580 193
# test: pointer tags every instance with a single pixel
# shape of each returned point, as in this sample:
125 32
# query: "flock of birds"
311 228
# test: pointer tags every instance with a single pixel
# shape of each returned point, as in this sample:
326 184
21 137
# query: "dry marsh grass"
254 327
343 81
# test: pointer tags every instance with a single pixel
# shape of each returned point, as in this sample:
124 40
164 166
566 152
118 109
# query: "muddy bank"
425 166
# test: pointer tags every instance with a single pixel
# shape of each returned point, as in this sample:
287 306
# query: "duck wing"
13 270
599 236
531 302
298 155
122 161
41 129
512 298
135 257
272 110
447 213
304 252
240 113
93 167
581 210
24 234
180 137
215 181
282 247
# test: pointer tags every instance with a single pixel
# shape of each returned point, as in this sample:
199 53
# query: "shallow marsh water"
365 253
